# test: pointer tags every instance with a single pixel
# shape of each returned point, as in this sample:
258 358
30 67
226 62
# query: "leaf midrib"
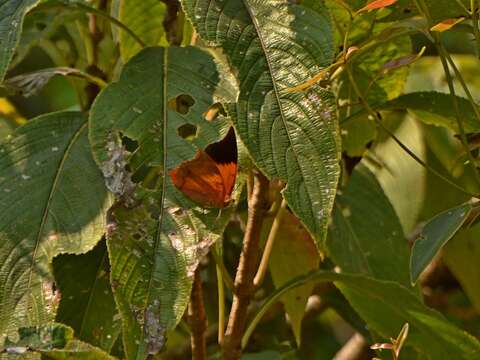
162 198
270 72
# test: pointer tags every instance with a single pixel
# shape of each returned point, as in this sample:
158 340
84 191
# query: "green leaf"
436 109
145 19
154 244
461 254
47 209
399 175
290 259
53 341
387 306
87 303
434 236
12 13
271 47
366 235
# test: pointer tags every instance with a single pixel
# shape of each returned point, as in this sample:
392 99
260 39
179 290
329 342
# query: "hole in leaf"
407 11
214 111
181 104
128 144
146 175
187 131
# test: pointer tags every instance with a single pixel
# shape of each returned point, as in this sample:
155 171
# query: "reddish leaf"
377 4
446 24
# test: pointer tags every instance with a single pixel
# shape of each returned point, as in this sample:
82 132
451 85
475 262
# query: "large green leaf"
12 13
434 235
155 246
272 46
53 201
387 306
399 175
145 19
366 235
87 303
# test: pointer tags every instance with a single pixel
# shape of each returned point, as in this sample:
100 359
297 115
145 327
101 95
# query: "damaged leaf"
153 261
53 341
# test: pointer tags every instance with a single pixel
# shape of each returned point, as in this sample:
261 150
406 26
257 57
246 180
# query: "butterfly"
208 179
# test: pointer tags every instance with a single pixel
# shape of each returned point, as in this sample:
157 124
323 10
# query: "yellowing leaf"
8 110
293 254
446 24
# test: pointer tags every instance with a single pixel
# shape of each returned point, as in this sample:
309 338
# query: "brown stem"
356 348
171 22
197 320
247 266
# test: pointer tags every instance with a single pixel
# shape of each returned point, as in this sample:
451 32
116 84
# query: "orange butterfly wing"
228 171
209 178
201 180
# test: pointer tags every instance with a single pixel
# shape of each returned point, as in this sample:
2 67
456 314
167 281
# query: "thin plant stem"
227 279
221 295
197 320
262 269
396 139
